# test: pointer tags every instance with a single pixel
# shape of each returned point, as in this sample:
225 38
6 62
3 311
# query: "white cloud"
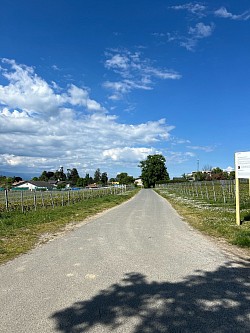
128 154
118 61
207 149
174 157
229 169
201 30
41 129
194 35
197 33
27 91
15 114
194 8
133 72
12 160
222 12
78 96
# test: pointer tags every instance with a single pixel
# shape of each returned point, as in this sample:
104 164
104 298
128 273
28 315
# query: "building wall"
30 186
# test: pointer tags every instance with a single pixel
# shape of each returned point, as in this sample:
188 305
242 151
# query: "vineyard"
211 208
218 193
33 200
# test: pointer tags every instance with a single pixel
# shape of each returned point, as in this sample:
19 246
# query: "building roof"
37 183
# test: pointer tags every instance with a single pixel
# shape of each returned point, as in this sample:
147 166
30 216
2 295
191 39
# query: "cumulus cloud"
229 169
78 96
128 154
133 72
30 93
41 128
222 12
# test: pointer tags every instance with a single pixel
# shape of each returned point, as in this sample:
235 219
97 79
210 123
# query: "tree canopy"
153 170
124 179
72 176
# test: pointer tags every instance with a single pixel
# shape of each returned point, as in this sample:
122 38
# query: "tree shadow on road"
217 302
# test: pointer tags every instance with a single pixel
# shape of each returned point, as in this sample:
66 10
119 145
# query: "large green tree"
124 179
153 170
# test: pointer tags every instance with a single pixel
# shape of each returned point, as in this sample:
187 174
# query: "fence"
32 200
212 192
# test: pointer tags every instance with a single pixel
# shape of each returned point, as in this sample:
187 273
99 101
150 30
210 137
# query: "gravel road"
135 268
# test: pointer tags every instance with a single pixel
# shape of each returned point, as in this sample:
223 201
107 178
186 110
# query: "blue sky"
102 84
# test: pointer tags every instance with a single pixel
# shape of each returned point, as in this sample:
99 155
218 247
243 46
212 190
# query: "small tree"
44 176
217 173
153 170
59 174
87 180
97 176
104 178
81 182
72 175
200 176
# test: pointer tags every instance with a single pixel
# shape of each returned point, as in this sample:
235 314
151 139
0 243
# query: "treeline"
6 182
72 177
213 174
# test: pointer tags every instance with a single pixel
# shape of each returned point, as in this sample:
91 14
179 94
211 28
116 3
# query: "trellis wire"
33 200
212 192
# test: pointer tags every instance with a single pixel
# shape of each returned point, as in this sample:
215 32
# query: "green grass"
20 232
216 221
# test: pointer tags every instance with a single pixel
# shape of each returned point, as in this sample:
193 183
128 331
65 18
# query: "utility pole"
198 165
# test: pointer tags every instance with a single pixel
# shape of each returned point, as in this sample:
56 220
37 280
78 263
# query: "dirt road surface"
135 268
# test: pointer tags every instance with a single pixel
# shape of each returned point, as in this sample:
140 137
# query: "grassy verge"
21 232
215 221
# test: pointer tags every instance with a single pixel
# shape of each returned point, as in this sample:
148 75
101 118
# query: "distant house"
138 182
34 186
114 183
92 186
18 183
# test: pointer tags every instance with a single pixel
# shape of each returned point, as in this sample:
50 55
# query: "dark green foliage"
6 182
104 178
153 170
124 179
97 176
72 176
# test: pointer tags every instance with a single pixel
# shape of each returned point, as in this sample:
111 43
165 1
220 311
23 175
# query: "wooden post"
22 201
6 200
237 200
52 201
223 194
42 198
35 200
206 191
68 197
214 192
